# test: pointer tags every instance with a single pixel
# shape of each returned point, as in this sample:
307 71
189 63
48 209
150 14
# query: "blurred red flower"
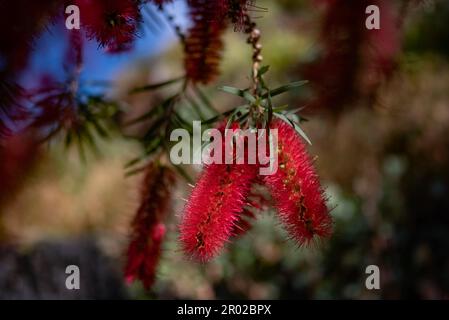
147 228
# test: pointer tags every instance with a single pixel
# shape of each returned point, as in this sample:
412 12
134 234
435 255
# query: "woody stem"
254 40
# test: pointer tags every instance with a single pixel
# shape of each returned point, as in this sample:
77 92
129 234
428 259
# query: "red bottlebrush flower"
244 222
203 44
355 60
21 23
381 50
15 47
148 227
296 190
113 23
236 10
334 75
217 205
255 203
213 209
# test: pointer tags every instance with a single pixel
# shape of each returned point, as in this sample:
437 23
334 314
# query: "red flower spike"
243 223
255 203
29 19
148 227
296 190
203 44
236 10
216 206
355 61
113 23
15 47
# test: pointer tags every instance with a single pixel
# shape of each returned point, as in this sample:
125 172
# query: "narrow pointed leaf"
285 88
155 86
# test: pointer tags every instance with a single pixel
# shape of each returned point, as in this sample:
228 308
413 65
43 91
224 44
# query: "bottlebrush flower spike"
215 207
113 23
296 190
255 203
29 19
243 223
148 227
203 44
15 47
236 10
355 60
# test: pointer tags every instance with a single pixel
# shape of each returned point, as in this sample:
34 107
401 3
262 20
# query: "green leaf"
285 88
68 140
88 137
154 130
217 117
149 149
296 110
263 70
181 122
132 172
153 146
154 111
294 125
80 145
232 90
301 132
143 117
249 97
280 108
211 120
99 129
242 109
155 86
270 108
133 162
195 107
204 99
239 92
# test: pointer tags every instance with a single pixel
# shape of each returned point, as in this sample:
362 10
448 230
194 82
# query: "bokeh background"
383 155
